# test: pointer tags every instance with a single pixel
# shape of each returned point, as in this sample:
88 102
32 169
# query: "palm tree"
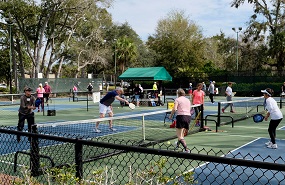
126 52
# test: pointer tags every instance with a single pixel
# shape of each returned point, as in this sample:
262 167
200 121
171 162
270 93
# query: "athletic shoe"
176 145
187 151
273 146
97 130
268 143
113 129
223 110
232 111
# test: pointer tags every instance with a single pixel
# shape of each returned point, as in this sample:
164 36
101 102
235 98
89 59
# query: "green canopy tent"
146 74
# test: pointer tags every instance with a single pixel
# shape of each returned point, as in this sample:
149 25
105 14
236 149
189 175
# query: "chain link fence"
113 161
61 84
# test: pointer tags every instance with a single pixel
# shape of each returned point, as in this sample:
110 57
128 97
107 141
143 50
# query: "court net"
241 109
145 127
10 99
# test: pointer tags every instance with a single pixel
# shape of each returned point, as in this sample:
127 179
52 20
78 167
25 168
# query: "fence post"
202 116
78 159
219 114
87 100
35 153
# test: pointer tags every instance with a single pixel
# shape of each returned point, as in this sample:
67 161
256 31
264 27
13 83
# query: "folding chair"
169 106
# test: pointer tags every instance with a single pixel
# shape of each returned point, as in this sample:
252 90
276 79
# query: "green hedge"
246 89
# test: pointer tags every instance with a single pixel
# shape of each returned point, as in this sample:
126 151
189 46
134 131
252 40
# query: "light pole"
115 61
237 31
10 23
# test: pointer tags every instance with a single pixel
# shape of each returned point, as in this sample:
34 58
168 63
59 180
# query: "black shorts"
183 121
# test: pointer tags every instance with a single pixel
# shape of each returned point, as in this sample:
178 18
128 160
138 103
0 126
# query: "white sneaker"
97 130
176 144
113 129
187 151
273 146
268 143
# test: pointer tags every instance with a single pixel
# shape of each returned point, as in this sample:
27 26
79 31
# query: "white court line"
281 128
251 127
225 154
232 135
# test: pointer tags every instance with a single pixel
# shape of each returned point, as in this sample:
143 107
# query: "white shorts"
103 109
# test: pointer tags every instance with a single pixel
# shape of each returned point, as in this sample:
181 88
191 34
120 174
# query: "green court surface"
226 139
219 143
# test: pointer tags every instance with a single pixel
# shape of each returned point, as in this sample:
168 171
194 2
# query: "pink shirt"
40 92
198 97
182 106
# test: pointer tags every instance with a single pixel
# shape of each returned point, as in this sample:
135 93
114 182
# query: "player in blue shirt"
105 106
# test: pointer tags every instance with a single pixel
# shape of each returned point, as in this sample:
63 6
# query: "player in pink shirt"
198 97
182 106
40 95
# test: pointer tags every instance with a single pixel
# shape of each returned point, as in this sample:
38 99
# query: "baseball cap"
27 89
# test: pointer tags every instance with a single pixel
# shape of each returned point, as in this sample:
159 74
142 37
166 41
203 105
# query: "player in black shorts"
182 107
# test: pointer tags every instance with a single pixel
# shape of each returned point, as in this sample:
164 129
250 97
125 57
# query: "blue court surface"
74 131
215 173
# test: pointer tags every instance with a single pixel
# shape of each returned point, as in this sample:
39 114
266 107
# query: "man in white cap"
211 90
47 91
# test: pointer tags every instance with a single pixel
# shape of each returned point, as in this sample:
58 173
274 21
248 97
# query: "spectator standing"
47 91
27 105
182 106
211 90
40 95
105 106
159 93
90 89
190 90
137 92
154 88
229 94
74 90
141 90
276 116
204 87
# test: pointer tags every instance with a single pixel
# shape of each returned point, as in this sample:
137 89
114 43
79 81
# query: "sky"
213 16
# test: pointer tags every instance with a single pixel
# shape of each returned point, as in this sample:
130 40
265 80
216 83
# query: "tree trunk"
59 67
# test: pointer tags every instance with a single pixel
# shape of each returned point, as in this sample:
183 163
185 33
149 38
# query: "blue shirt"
109 98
